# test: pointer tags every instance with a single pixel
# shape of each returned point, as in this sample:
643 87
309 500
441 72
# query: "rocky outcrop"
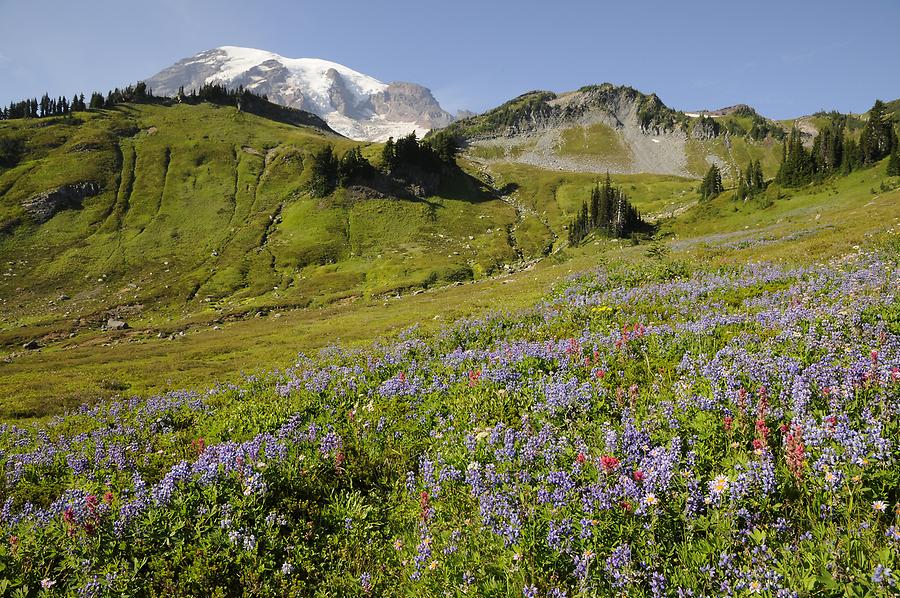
705 128
43 206
113 324
409 102
537 111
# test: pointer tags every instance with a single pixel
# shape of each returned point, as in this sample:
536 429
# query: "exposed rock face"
410 102
43 206
352 103
540 110
705 128
644 135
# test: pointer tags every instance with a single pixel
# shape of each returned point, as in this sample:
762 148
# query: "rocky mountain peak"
352 103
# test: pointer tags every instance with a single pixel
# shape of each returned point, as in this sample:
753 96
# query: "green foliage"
11 150
525 107
750 182
762 128
354 167
324 178
643 425
835 152
877 139
797 165
711 185
655 116
893 167
609 210
444 145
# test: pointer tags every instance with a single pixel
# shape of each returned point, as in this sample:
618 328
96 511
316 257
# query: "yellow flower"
433 565
755 587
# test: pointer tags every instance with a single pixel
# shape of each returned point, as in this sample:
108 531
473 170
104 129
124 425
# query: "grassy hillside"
822 221
204 209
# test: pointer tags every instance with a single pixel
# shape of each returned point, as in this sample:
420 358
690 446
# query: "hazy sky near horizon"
786 58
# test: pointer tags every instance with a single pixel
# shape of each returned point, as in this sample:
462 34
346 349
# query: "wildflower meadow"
725 432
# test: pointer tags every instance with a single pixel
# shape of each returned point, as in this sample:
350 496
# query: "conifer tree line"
430 155
608 211
33 108
62 107
835 152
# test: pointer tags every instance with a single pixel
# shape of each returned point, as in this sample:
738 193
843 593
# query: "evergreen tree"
595 206
742 189
877 138
324 172
893 168
389 154
758 182
712 183
797 167
444 145
608 211
45 105
10 150
353 166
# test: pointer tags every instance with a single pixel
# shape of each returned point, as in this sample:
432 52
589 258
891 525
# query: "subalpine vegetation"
750 181
609 211
406 160
711 184
834 151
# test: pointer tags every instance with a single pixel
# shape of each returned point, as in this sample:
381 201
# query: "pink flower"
609 463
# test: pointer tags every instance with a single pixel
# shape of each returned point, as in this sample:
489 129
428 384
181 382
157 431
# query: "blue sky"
786 58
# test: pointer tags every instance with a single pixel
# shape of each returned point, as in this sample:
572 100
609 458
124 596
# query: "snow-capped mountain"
355 105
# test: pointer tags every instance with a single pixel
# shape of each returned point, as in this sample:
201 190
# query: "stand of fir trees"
329 172
429 154
402 159
711 184
750 182
608 211
834 152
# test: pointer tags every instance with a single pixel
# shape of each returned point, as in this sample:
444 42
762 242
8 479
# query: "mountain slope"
182 209
356 105
617 129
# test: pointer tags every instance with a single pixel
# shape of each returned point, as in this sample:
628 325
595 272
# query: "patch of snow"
308 75
375 128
